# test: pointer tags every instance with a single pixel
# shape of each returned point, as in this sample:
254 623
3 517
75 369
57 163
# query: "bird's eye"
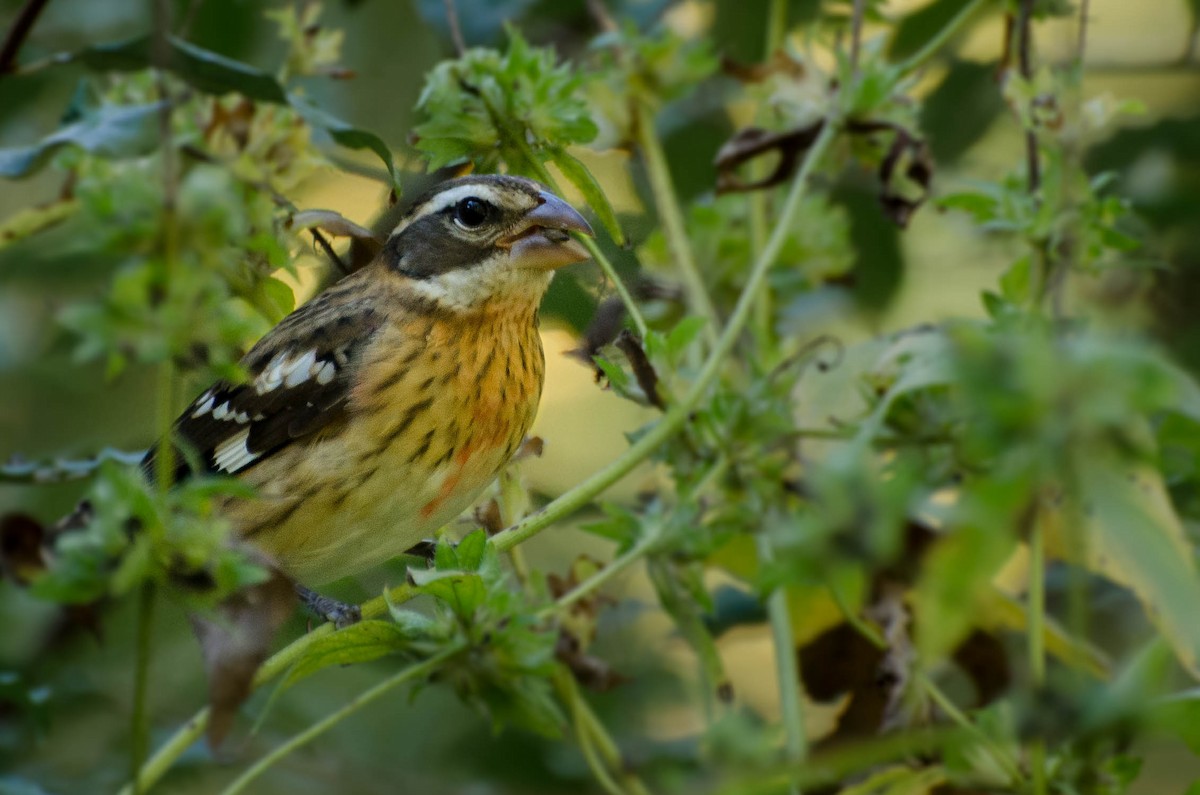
471 212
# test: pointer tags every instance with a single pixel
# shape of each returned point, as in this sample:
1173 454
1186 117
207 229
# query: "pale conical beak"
544 241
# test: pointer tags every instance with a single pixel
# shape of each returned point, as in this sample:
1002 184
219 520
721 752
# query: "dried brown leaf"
236 638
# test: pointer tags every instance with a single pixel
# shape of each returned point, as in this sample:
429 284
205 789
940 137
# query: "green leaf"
202 69
357 643
112 131
344 134
955 583
471 550
684 334
462 592
215 74
1138 541
581 177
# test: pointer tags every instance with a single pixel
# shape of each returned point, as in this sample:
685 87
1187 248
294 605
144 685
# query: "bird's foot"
339 613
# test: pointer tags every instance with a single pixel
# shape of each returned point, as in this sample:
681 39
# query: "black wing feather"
335 330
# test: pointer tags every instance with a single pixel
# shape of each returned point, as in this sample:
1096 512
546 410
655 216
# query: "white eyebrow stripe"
448 198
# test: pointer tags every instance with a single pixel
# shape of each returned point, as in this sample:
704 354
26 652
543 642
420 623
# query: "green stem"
596 738
601 577
952 711
1037 642
872 634
669 212
140 729
538 168
417 671
678 415
787 667
942 36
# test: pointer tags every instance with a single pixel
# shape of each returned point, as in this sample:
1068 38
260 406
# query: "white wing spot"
298 369
326 373
272 375
233 453
221 411
242 418
204 407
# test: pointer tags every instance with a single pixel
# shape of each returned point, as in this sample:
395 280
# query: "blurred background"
71 736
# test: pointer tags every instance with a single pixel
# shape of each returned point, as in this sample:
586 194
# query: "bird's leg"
341 614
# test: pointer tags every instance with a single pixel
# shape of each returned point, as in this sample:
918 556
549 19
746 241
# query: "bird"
381 409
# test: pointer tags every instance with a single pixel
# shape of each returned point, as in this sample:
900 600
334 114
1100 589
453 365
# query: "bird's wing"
299 381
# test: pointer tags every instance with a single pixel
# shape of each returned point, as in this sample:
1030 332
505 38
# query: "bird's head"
478 239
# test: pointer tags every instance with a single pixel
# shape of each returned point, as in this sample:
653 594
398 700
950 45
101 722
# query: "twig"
667 204
1024 64
1036 640
18 470
456 36
676 418
417 671
321 241
856 23
600 14
787 668
942 36
17 34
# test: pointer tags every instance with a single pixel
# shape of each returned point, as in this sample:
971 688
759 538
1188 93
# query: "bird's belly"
365 502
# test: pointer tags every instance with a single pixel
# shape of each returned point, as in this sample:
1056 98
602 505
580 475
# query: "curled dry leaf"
780 63
331 223
643 370
753 143
236 638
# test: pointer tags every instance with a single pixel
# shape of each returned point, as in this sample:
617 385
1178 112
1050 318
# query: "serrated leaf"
1137 540
462 592
357 643
112 131
345 134
581 177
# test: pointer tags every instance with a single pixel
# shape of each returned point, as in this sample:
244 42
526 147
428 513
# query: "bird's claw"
339 613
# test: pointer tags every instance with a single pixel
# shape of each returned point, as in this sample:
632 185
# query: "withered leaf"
236 638
643 370
753 143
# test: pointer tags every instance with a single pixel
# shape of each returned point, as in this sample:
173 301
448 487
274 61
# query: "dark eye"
471 212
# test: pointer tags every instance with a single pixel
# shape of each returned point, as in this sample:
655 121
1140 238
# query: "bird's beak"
543 241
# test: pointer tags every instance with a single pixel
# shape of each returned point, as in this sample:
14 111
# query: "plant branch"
787 668
667 204
1024 35
405 676
856 23
17 34
1037 640
674 420
939 39
456 36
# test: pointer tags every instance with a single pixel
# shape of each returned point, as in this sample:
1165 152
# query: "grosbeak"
378 411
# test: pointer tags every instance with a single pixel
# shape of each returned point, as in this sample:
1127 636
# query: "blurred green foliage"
878 494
